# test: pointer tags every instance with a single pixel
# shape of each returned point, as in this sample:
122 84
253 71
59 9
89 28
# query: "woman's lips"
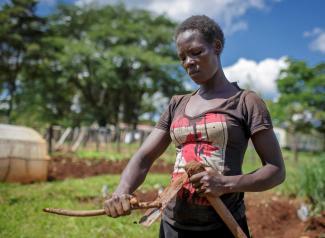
193 72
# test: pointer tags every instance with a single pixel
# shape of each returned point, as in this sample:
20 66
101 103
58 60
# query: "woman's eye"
196 53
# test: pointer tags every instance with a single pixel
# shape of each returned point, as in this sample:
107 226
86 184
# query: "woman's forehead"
189 38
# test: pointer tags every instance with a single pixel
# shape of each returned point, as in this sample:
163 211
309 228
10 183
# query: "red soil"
271 216
67 167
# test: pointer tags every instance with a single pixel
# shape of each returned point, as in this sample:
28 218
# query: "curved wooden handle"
75 213
88 213
194 167
226 216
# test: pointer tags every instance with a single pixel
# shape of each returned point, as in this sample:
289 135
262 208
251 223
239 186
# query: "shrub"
312 182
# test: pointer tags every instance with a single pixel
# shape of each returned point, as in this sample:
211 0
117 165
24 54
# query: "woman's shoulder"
251 97
177 98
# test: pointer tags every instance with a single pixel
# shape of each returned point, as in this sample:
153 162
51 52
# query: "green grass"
111 152
21 210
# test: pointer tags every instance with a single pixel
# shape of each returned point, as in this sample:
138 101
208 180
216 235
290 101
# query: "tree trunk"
118 138
50 139
11 103
294 147
134 130
97 139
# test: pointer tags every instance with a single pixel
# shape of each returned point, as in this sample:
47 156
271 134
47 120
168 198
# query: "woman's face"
198 57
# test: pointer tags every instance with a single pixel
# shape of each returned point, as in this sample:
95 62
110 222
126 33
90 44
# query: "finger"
212 193
197 177
207 191
197 184
118 207
205 180
112 210
126 204
212 171
209 169
200 190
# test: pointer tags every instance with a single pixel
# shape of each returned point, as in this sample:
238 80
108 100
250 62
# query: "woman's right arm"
135 172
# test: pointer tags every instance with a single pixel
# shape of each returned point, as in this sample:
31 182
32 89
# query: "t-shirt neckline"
209 110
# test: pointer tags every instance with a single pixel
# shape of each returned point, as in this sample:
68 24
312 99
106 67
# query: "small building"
23 155
305 142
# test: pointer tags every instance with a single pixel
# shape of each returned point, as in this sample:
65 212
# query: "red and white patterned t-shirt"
217 138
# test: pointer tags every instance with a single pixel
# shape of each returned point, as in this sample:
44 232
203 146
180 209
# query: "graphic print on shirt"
203 139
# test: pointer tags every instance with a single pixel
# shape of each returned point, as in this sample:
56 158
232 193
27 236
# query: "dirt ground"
67 167
269 216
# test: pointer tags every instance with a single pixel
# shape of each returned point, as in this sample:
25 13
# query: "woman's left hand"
209 182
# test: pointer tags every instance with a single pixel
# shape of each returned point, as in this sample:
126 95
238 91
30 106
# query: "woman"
211 125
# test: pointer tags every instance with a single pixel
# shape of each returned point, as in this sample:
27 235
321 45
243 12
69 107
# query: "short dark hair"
205 25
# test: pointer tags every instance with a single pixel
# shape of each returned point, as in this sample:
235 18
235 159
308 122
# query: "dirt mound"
316 225
270 216
67 167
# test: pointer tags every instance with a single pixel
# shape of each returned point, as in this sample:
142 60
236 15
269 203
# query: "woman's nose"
188 62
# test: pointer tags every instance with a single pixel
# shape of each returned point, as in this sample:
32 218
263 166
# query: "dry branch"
135 204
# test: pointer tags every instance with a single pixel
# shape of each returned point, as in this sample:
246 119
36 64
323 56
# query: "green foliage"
110 155
20 32
312 184
113 153
84 64
114 57
301 105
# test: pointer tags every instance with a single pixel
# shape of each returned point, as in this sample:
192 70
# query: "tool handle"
88 213
226 216
75 213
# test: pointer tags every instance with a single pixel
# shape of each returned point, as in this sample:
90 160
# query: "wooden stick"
87 213
194 167
226 216
74 213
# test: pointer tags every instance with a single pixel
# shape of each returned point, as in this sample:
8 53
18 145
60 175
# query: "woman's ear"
218 46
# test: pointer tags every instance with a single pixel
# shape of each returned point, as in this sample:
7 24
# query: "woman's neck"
218 84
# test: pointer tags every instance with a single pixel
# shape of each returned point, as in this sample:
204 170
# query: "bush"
312 183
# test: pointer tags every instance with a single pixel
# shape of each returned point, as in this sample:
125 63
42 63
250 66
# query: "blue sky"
279 31
259 33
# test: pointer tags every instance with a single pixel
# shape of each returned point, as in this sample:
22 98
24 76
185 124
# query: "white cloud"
258 76
228 13
318 42
314 32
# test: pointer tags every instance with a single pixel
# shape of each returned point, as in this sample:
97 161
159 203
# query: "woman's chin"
198 80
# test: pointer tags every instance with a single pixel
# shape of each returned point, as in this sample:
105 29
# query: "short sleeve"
167 116
257 116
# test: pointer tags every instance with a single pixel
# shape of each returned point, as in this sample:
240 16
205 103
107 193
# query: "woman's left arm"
273 171
271 174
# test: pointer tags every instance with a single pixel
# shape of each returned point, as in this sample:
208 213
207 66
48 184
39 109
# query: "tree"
20 32
301 105
115 57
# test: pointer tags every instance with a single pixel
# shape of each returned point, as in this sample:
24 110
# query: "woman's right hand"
118 205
